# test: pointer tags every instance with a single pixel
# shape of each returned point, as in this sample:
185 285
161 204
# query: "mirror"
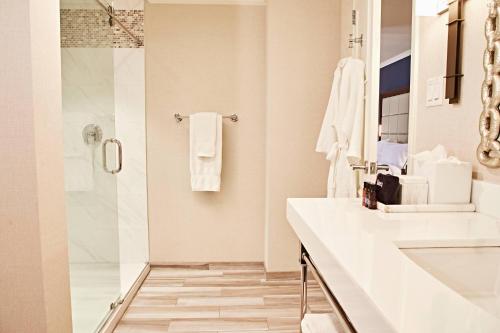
394 84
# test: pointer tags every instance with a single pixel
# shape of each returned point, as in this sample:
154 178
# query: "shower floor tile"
94 286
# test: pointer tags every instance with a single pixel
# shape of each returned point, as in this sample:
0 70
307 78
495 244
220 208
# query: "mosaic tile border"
89 28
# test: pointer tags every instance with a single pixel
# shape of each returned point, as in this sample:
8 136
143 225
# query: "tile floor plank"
219 301
219 298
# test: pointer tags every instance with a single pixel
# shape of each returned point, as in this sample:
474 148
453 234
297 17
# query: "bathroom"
107 225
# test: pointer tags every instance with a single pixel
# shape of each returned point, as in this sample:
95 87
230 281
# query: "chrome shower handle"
105 157
120 156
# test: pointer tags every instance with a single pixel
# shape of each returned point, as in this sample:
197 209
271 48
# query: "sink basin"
473 272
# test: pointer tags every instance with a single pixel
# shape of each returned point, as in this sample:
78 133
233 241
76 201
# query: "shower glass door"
104 157
91 183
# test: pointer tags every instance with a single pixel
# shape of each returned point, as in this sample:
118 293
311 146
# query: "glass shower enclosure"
104 154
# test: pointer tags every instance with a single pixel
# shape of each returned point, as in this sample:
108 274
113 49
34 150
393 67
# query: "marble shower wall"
103 83
91 211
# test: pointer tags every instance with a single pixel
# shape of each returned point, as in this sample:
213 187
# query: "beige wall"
205 58
454 126
219 64
346 7
33 240
302 51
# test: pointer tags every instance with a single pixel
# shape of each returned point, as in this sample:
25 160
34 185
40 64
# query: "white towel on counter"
205 151
318 323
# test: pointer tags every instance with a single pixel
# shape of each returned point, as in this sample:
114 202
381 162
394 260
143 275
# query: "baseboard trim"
207 264
183 265
292 274
119 311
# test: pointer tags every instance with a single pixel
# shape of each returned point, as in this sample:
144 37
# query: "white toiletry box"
414 190
450 182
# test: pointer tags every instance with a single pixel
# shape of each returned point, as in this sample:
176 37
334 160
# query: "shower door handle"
105 157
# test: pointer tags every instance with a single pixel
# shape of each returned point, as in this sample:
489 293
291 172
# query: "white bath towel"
205 165
318 323
78 157
342 133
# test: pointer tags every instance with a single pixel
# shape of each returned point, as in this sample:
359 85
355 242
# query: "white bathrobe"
342 133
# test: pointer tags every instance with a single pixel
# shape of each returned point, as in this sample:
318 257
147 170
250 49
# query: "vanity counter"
357 252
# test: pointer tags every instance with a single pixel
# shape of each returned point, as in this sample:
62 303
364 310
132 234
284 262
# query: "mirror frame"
488 152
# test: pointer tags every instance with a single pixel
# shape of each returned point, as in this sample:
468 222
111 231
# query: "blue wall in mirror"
396 76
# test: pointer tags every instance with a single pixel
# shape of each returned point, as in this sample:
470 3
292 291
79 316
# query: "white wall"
454 126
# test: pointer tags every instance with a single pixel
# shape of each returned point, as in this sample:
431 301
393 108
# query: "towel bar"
234 117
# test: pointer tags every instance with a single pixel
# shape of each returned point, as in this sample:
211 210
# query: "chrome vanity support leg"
303 284
303 291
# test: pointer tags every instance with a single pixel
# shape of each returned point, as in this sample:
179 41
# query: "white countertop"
381 289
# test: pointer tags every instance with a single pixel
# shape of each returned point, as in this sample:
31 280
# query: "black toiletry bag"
389 192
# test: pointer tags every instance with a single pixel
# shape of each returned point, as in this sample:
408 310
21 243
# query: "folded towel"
205 166
204 131
318 323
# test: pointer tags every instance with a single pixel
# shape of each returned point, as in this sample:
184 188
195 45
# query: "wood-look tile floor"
236 298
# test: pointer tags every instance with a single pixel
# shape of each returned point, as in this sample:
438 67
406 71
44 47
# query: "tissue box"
414 190
450 182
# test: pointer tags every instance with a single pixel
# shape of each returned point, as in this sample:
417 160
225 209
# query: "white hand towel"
205 170
204 131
